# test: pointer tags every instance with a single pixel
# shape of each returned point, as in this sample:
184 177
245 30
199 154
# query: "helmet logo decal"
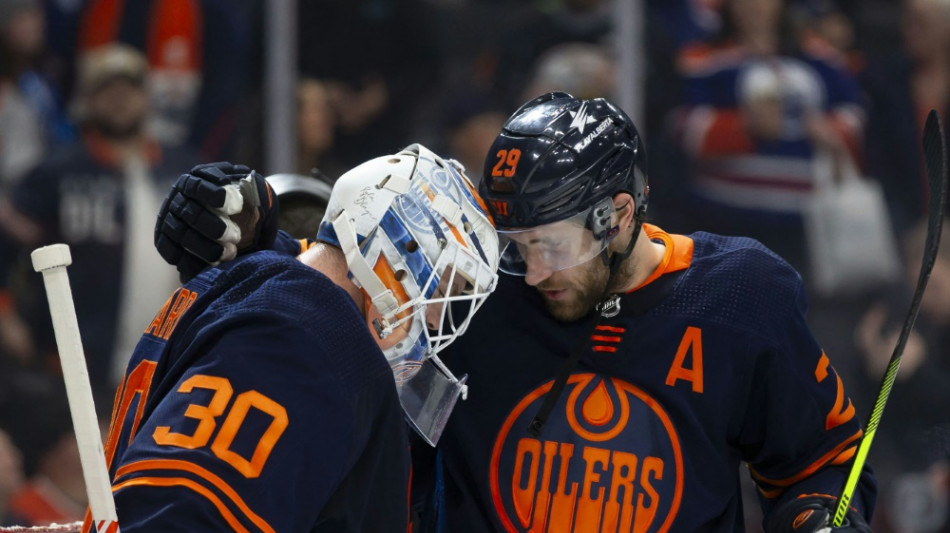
608 460
580 118
592 135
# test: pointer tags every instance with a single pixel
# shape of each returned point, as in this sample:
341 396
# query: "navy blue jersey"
256 401
708 365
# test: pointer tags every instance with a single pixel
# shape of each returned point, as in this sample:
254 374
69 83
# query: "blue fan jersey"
708 365
258 401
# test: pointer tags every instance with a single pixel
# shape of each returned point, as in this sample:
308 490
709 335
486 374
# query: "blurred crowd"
763 118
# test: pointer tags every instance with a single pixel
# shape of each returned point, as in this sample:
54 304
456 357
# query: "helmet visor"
555 246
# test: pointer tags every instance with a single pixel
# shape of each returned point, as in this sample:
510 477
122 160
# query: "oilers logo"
438 181
609 459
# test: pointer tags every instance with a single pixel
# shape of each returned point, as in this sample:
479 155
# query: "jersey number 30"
139 381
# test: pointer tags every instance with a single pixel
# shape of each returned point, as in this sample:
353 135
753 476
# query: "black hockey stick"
935 153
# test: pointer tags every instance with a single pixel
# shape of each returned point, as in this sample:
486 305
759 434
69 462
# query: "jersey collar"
677 256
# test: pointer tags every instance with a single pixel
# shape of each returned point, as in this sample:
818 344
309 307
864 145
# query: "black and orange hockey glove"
213 213
813 513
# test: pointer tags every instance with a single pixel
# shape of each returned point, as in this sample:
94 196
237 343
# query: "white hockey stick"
52 261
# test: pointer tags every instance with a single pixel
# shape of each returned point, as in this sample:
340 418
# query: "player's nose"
536 272
433 314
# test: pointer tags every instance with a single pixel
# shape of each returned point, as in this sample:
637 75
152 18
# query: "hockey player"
633 371
259 398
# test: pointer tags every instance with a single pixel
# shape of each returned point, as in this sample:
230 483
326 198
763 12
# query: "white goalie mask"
420 244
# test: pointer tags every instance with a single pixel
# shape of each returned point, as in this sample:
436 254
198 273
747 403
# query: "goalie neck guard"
417 238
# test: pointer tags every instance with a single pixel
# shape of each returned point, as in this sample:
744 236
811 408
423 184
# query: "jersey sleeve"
800 429
289 245
263 433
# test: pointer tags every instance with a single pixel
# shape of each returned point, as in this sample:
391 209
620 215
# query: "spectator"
533 31
100 196
21 135
381 68
26 63
582 69
902 88
199 85
760 108
316 124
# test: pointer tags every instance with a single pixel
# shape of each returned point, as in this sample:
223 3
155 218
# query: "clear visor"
555 246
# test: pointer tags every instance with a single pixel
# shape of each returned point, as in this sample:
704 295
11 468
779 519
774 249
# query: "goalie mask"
420 244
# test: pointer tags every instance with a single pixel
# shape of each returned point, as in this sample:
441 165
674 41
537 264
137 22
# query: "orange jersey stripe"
612 329
605 338
831 457
187 483
174 464
604 349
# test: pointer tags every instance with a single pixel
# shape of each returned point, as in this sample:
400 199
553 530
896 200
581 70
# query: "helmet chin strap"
608 307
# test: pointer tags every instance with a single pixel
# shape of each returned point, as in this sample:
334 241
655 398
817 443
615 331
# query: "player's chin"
566 309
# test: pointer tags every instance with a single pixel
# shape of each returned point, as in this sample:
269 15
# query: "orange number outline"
205 414
839 413
242 405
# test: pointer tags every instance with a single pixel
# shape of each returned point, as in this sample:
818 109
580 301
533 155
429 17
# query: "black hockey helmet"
558 156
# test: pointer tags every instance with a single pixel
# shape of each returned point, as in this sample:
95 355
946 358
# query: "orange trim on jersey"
830 457
845 456
174 464
604 338
613 329
610 349
677 256
189 484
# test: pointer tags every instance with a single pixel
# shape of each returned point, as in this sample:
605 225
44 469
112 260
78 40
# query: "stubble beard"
589 291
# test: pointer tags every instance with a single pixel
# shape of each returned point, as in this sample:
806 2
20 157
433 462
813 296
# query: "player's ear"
623 210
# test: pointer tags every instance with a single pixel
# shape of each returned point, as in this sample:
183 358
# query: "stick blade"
935 157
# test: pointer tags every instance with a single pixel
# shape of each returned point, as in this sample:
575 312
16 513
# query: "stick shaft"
79 393
935 154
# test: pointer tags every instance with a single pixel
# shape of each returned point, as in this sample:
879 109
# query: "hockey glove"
213 213
813 513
